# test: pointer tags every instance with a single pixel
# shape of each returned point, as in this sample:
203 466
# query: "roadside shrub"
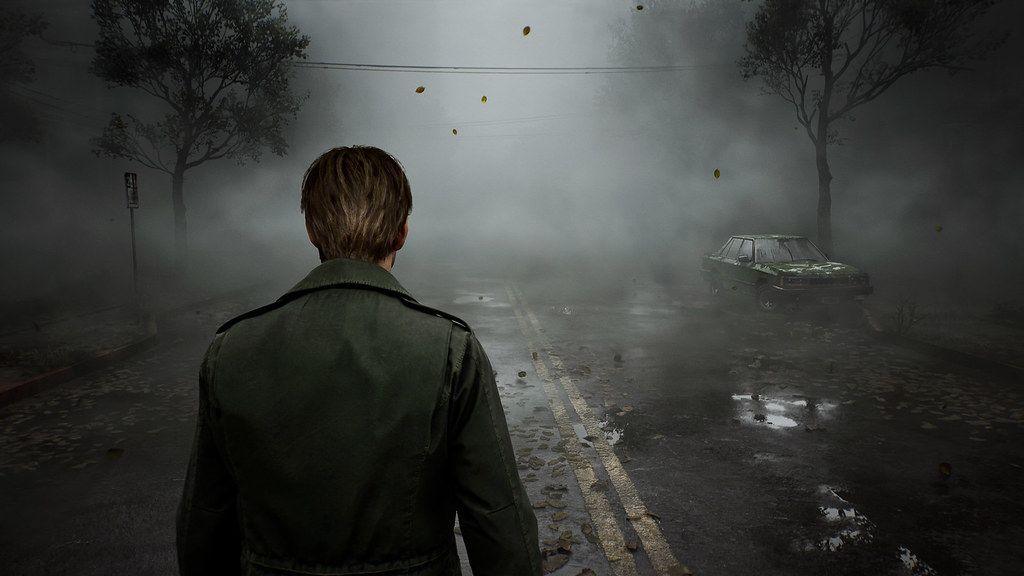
905 316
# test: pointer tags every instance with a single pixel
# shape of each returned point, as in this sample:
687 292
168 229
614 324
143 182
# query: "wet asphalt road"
749 443
797 444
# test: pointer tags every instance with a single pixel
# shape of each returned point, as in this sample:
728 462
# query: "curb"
941 352
57 376
105 358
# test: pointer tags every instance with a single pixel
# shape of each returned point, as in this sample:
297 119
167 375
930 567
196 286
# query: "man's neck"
388 262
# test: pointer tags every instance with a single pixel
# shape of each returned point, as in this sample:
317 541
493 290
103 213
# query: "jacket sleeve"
209 538
495 514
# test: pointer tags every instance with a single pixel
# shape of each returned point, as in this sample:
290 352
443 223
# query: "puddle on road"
779 412
843 526
846 524
914 564
581 431
611 433
473 298
645 310
769 419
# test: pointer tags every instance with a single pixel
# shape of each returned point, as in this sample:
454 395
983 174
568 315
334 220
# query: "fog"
584 178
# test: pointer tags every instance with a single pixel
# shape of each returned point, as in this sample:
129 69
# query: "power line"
46 94
500 121
522 135
496 70
50 106
66 43
492 70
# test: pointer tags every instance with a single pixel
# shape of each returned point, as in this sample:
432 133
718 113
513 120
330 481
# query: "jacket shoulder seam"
251 314
411 303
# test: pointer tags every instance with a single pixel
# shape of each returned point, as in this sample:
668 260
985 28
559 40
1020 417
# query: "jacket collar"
341 272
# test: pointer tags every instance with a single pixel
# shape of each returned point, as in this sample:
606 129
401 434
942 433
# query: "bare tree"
826 58
221 69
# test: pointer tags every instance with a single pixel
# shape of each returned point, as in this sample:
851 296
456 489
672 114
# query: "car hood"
818 269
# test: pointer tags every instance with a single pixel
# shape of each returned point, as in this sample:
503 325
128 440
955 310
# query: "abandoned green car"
780 269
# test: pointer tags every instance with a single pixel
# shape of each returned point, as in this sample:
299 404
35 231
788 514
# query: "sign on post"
131 188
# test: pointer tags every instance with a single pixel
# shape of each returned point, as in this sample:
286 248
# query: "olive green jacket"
339 430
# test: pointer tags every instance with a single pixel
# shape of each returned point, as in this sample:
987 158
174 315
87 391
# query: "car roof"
768 236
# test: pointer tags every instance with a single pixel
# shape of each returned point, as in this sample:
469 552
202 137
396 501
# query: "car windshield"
786 250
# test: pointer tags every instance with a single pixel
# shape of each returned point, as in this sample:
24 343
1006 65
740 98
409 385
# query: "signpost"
131 188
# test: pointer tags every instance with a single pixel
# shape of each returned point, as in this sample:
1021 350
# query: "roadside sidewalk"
41 354
37 354
978 334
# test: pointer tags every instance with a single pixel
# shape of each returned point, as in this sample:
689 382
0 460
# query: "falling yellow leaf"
526 31
718 173
420 89
483 99
938 228
455 132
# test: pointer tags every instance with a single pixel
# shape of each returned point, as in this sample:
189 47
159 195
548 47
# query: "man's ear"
402 235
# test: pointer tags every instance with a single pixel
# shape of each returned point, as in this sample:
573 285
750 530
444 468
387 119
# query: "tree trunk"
180 220
824 197
821 141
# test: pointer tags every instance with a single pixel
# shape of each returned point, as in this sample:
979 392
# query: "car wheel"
767 301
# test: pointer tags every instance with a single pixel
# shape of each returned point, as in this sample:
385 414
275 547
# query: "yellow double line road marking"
647 529
606 528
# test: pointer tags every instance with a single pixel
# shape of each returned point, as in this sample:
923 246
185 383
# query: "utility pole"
131 188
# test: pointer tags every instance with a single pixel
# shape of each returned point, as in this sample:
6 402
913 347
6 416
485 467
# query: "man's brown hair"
356 200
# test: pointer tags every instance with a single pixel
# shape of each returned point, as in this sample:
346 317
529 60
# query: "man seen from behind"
341 427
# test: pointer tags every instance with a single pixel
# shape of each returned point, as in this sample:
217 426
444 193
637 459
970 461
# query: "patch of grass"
905 316
43 356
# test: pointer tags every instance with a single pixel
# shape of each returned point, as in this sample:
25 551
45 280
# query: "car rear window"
786 250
